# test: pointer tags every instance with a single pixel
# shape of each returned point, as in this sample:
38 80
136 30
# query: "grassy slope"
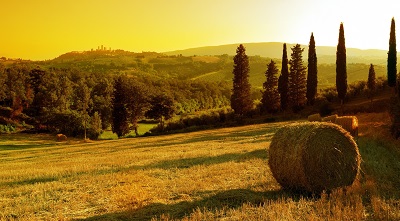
205 175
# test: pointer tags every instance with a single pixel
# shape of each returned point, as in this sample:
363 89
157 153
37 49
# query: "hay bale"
61 137
331 118
313 157
349 123
314 117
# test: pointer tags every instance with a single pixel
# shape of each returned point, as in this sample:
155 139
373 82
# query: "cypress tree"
312 72
120 111
241 101
371 84
270 97
392 56
297 79
341 70
283 81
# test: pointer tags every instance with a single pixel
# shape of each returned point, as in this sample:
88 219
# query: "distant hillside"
215 63
326 54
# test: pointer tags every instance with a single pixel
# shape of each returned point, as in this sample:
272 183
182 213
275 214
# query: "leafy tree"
392 56
312 78
2 82
65 92
297 79
371 84
283 81
18 92
341 69
241 101
137 103
162 108
102 99
120 124
55 93
82 101
270 97
95 128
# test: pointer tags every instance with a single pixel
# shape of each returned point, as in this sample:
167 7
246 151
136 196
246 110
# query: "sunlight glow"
44 29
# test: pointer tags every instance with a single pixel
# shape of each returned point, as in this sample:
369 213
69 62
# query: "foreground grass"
207 175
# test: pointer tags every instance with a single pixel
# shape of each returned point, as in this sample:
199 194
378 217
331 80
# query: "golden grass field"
219 174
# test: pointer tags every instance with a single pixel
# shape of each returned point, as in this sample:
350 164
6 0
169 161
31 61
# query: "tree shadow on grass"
262 134
206 160
166 165
227 199
22 146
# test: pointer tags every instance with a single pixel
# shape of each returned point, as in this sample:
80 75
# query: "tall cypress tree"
283 81
270 97
312 72
241 101
392 56
120 111
297 79
371 81
341 69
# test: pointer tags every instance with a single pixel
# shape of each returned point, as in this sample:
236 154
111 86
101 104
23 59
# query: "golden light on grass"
207 175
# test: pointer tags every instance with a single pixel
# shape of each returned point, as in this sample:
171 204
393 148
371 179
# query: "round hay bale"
313 157
331 118
349 123
314 117
61 137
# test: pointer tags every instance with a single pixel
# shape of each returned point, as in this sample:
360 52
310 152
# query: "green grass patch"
142 129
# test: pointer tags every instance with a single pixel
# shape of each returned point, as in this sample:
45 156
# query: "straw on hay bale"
331 118
61 137
349 123
313 157
314 117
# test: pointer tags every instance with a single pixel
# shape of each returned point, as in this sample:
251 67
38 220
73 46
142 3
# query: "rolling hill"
214 63
326 54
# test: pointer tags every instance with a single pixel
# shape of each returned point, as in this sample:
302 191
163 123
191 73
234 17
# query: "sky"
45 29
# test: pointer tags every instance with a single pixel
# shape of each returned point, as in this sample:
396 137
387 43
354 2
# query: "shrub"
395 116
70 123
95 127
326 108
7 128
207 119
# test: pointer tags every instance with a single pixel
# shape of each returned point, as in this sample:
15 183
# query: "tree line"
70 101
296 86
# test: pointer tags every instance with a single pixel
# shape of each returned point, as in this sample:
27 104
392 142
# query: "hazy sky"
44 29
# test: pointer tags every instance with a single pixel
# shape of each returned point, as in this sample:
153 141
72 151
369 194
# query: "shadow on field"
166 165
226 199
206 160
22 146
261 134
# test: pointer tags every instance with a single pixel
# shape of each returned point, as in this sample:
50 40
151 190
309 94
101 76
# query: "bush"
94 127
330 94
70 123
7 128
395 116
211 118
326 109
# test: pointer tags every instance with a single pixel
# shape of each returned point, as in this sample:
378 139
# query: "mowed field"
220 174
